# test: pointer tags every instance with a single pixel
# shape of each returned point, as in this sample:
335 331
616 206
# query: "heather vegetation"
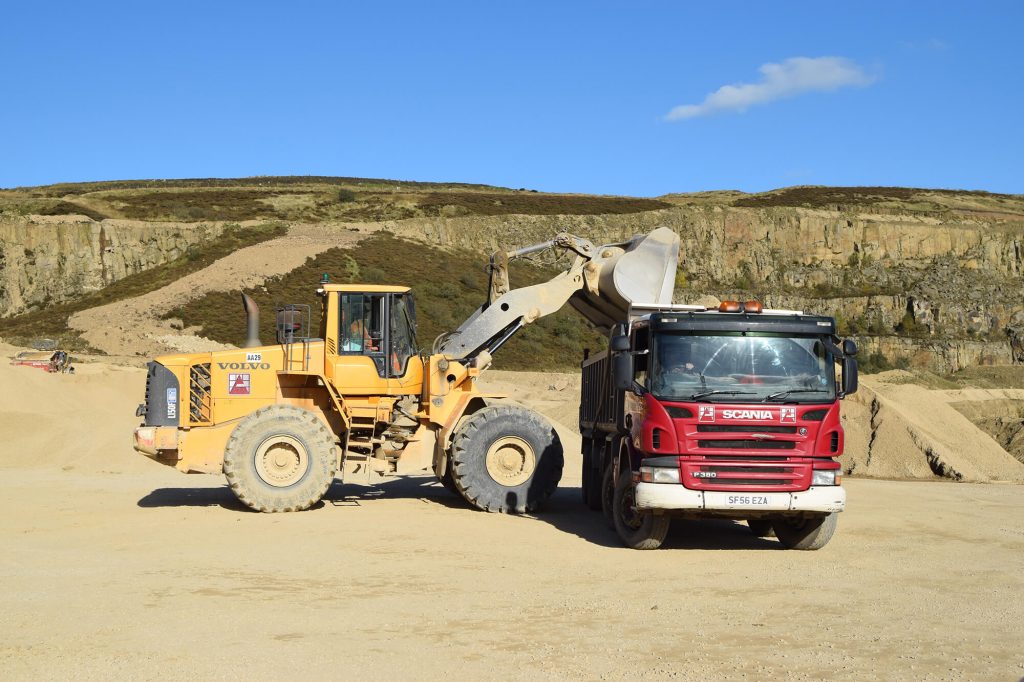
301 198
478 203
448 286
840 197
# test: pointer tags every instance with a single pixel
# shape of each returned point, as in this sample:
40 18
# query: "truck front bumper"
652 496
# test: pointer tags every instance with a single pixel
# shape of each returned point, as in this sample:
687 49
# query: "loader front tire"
448 481
506 459
280 458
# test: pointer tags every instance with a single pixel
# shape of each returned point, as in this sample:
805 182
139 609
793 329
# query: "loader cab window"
361 324
380 326
403 333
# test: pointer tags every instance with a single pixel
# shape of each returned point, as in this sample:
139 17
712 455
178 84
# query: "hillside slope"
924 278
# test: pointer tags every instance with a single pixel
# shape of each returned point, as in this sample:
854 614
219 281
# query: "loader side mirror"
622 370
849 348
620 344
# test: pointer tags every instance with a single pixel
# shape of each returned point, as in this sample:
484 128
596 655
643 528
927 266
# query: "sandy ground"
115 566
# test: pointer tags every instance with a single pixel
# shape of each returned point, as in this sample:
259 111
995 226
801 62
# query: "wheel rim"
510 461
281 461
630 517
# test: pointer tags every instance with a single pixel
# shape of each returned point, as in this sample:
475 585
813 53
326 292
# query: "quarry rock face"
947 286
51 259
938 291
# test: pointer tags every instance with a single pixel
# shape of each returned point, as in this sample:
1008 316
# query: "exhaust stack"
252 322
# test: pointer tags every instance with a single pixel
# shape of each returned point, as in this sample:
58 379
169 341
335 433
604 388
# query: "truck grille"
748 444
761 474
199 393
724 428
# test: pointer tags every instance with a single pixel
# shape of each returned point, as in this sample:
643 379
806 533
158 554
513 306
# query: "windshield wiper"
704 394
773 396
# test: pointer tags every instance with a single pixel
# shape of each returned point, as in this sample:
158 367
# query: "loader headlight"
659 474
826 477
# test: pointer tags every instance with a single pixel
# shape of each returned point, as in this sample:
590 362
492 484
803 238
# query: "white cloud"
792 77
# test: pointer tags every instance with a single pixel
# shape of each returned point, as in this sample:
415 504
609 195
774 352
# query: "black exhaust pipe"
252 322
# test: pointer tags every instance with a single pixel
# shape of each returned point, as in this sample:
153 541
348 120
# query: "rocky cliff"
52 259
940 291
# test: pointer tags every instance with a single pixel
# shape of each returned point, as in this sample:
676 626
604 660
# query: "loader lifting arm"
601 284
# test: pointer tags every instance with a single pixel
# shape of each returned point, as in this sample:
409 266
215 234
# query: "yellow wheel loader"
357 397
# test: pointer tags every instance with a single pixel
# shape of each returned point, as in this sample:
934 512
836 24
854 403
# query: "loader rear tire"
280 458
506 459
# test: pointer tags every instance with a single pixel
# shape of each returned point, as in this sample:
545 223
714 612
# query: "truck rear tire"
638 530
608 493
280 458
506 459
806 533
591 478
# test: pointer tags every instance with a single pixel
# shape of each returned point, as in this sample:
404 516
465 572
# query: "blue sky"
555 96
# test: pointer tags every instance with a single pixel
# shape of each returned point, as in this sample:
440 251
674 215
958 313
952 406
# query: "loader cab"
370 332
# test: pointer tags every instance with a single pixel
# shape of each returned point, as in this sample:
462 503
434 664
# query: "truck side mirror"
849 347
620 344
622 370
849 374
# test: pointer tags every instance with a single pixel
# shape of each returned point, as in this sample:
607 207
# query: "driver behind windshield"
675 364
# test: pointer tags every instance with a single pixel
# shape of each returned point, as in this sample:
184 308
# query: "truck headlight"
659 474
826 477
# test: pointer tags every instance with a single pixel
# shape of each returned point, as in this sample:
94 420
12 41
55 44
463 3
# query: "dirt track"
117 566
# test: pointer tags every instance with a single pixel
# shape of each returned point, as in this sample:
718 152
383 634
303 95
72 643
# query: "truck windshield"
741 367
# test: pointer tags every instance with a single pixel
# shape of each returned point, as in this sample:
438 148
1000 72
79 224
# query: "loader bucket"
601 284
642 270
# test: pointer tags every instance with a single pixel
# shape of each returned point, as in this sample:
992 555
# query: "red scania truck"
728 412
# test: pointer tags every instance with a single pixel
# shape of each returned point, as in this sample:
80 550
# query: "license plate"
720 500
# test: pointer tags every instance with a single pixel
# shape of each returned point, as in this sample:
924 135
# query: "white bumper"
830 498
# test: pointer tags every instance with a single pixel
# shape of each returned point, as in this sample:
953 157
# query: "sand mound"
69 421
134 327
899 430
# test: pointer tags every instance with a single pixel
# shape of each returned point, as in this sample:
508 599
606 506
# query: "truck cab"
731 412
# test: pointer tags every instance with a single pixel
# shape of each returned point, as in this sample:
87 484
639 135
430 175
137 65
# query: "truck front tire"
280 458
638 530
761 528
506 459
808 533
